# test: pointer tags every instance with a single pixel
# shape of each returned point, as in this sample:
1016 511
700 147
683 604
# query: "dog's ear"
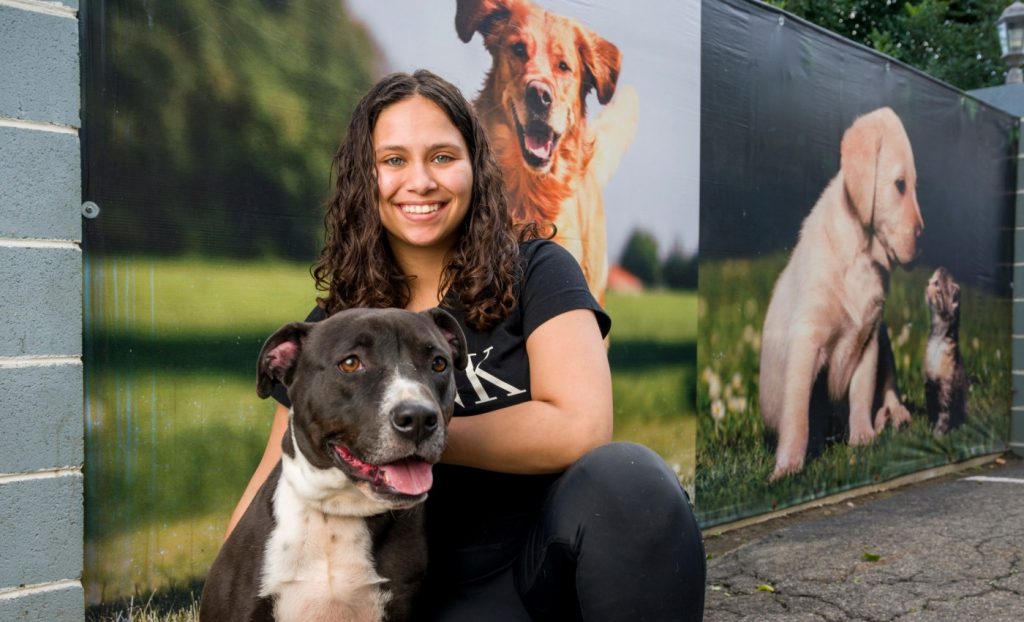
452 332
859 152
602 62
279 356
478 16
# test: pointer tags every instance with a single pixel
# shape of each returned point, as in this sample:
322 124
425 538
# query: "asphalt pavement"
951 549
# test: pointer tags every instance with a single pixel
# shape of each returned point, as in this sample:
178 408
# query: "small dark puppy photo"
946 380
336 533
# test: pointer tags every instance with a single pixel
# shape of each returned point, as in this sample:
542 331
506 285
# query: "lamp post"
1011 39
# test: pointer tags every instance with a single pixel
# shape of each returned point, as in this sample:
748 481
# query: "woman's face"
424 175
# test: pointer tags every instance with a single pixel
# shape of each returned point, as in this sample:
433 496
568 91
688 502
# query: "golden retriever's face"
544 67
881 181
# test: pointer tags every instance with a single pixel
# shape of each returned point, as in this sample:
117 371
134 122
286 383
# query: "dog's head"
544 67
372 392
881 182
943 295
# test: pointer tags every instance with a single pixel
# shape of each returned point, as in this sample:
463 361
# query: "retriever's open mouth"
412 476
537 140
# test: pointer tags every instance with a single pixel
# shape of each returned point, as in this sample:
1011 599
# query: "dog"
826 307
533 109
336 532
946 382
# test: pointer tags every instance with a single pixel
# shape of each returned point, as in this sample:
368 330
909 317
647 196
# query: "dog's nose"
538 97
414 421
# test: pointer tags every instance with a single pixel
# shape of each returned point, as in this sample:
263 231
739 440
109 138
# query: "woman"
533 513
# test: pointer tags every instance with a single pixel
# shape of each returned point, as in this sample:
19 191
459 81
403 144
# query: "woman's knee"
624 478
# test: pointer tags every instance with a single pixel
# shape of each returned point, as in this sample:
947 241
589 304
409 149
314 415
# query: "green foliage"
210 126
952 40
734 455
680 271
640 256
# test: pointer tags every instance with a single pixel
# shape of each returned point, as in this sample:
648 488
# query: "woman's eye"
439 364
350 364
394 161
901 185
443 159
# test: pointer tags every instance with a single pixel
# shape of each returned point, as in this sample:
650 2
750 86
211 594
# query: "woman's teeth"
421 209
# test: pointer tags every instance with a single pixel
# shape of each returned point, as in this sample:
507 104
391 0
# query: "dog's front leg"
862 394
892 409
802 366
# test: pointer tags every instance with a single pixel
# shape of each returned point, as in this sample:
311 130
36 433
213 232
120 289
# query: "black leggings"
616 539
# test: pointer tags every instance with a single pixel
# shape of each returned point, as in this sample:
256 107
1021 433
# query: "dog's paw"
786 466
892 411
862 436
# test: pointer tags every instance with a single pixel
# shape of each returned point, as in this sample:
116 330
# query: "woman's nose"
421 179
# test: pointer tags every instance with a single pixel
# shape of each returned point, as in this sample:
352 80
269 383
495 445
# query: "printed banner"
208 132
856 249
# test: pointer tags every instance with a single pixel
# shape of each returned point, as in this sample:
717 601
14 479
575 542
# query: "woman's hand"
570 412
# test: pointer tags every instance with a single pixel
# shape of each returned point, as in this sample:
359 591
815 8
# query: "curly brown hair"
357 268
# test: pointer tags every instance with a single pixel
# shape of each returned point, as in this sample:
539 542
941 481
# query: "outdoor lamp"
1011 39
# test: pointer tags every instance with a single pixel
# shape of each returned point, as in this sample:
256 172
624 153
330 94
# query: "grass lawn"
733 457
174 427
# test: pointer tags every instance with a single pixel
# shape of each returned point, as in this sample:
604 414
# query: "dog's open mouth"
410 476
537 140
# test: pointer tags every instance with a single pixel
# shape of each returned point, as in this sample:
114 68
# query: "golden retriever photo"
827 304
533 107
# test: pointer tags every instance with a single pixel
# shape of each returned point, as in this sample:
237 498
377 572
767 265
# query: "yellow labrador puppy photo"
826 307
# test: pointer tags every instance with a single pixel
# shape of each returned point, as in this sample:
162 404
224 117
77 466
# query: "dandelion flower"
717 410
738 404
714 386
904 336
737 381
975 343
750 307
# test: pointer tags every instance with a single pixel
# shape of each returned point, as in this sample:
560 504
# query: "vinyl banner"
856 242
209 130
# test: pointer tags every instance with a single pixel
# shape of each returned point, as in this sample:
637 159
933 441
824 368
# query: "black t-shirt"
477 518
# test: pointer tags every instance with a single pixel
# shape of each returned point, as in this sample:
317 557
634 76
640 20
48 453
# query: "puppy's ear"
279 356
602 62
478 16
452 332
859 163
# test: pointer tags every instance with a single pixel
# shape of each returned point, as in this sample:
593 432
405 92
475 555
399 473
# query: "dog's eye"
439 364
519 49
350 364
563 66
901 185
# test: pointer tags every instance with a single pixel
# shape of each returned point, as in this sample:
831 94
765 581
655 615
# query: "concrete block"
1017 432
39 68
40 185
41 520
1018 315
41 426
65 604
40 301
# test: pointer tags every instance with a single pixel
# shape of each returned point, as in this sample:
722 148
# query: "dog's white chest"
319 567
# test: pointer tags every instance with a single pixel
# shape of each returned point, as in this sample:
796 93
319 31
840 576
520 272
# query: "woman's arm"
569 414
271 455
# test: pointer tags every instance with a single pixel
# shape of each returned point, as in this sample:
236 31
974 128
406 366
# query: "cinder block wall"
41 441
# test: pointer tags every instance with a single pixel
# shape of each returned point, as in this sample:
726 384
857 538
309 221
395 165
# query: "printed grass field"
174 427
733 458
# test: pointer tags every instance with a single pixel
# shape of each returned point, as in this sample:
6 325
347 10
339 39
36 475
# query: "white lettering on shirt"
475 374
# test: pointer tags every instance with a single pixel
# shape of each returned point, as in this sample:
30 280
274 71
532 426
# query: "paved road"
946 550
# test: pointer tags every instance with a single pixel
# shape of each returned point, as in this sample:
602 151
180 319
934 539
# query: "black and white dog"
336 532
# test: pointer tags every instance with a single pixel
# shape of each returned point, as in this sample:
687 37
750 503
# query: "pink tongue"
411 477
539 146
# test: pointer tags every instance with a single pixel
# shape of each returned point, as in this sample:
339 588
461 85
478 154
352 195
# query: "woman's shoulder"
542 250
